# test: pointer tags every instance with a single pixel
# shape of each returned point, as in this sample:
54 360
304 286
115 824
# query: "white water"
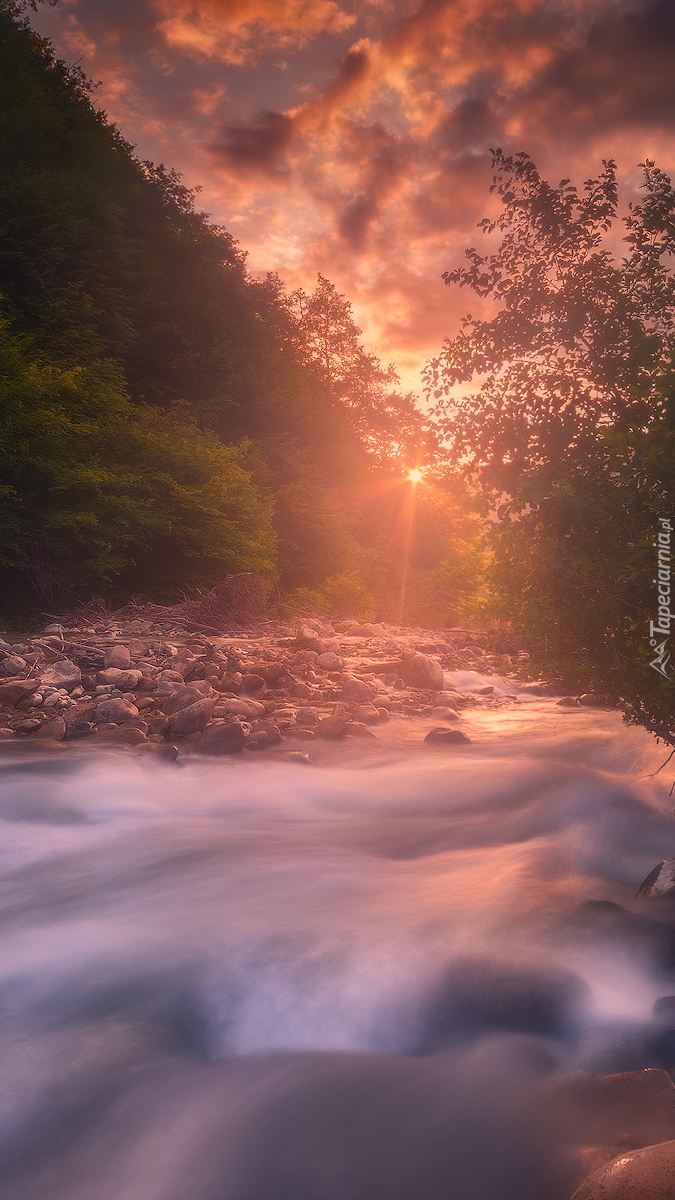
257 980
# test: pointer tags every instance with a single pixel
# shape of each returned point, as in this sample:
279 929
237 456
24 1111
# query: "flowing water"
361 979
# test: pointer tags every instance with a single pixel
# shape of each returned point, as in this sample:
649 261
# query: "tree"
569 434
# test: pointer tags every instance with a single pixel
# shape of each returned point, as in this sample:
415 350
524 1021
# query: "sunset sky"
350 137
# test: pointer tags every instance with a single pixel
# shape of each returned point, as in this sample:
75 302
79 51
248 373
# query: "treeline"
165 418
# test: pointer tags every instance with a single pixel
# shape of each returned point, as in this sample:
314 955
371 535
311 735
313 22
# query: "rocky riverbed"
167 691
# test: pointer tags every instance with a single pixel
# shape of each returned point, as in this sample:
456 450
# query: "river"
359 979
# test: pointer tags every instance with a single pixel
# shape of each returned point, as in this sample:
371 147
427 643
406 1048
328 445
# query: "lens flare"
415 475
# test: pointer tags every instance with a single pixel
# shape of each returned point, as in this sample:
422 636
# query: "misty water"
361 979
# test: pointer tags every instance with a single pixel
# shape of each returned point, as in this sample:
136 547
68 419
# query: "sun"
415 475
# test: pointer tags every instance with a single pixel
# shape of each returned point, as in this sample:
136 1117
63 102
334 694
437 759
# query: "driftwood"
232 604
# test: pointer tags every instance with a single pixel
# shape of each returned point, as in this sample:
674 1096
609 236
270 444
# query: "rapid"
375 977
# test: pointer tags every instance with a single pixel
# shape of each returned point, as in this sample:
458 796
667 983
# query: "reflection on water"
265 981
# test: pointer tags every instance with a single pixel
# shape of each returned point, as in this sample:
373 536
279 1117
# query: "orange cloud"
234 30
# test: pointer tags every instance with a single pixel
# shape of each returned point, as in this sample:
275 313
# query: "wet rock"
80 729
54 729
421 671
20 689
62 674
183 696
126 681
446 737
357 691
302 691
383 715
30 726
531 689
592 700
130 735
192 719
12 665
334 726
243 708
272 731
115 711
358 729
569 702
647 1174
306 717
308 639
257 741
297 731
443 713
222 737
330 661
253 683
367 714
298 756
169 676
117 656
660 881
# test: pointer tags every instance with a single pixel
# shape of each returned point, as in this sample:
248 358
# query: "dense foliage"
165 418
570 433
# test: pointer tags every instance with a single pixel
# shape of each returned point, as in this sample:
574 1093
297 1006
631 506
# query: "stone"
446 737
367 714
6 733
308 639
257 741
62 674
81 729
356 691
358 729
253 683
330 661
222 737
383 715
302 691
115 711
53 629
308 718
231 681
298 756
13 665
130 735
592 700
117 656
271 730
569 702
298 731
334 726
421 671
30 726
169 676
21 689
443 713
243 708
125 680
660 881
647 1174
150 750
191 719
189 693
54 729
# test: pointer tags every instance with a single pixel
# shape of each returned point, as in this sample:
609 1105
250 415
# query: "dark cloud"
257 148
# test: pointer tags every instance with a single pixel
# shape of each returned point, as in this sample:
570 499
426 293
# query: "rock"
115 710
358 729
6 733
442 713
125 680
367 714
117 656
356 691
330 661
420 671
231 681
151 750
253 683
383 715
308 639
188 694
13 665
21 689
298 756
81 729
298 731
62 674
302 691
30 726
191 719
54 729
271 730
130 735
366 630
169 676
446 737
270 672
257 741
660 881
308 718
647 1174
334 726
222 737
243 708
53 629
569 702
592 700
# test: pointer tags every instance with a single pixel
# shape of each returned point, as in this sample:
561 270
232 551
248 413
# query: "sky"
352 138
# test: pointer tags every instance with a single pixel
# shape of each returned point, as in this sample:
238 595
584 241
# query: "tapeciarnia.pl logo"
660 626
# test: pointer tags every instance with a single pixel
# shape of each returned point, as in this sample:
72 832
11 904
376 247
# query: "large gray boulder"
421 671
118 656
191 719
115 710
647 1174
62 674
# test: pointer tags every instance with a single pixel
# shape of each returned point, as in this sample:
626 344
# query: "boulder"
569 702
334 726
253 683
446 737
660 881
358 729
271 730
308 639
647 1174
306 718
367 714
420 671
357 691
115 711
243 708
117 656
442 713
62 674
169 676
189 693
330 661
191 719
54 729
20 689
13 664
592 700
125 680
222 737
